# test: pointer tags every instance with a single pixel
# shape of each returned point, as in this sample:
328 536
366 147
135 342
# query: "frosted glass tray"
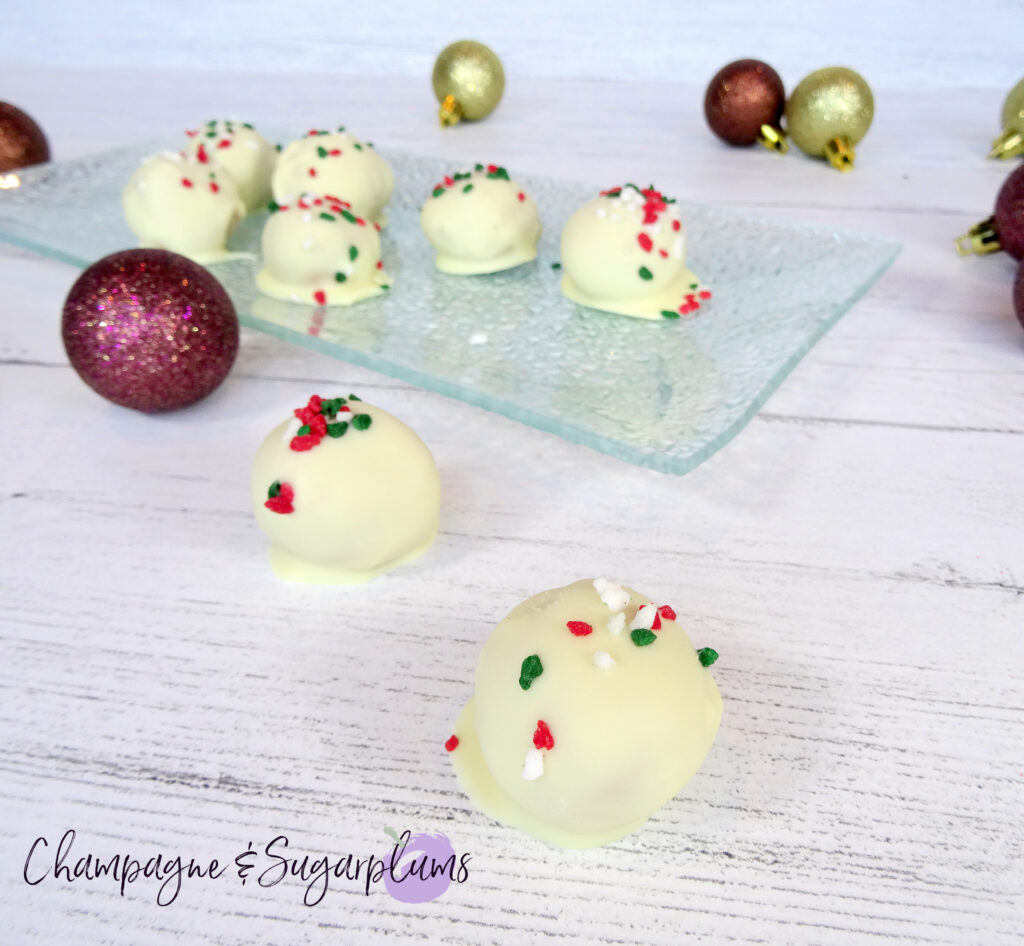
664 395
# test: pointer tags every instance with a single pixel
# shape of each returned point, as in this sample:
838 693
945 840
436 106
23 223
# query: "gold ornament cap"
979 240
774 139
468 81
828 113
1010 143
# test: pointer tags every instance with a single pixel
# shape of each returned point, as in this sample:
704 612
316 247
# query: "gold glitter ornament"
468 81
1011 142
828 113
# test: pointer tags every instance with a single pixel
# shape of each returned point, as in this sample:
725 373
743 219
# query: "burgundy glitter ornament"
150 330
744 103
22 142
1004 230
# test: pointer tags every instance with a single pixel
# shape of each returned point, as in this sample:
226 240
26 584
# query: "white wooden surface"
855 556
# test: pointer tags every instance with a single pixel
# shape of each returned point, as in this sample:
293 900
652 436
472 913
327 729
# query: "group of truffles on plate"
328 192
591 709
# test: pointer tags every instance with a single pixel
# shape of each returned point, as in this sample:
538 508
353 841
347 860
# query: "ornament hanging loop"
840 153
979 240
450 112
1009 144
774 139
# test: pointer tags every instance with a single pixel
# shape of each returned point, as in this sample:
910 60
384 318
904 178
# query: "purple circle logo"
420 868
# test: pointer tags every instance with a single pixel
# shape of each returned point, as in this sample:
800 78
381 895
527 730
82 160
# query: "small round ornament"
1004 230
1018 295
744 103
468 81
828 113
1011 142
150 330
22 142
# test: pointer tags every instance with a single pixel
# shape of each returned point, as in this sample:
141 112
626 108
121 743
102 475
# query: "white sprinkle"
478 338
677 249
307 244
292 429
533 767
603 660
644 617
252 144
612 594
601 212
617 623
307 217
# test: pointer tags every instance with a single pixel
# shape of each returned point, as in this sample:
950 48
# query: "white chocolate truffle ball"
624 251
479 221
592 709
242 153
175 203
345 491
318 252
339 165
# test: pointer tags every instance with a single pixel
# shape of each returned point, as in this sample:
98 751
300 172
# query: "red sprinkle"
521 196
214 186
361 221
656 623
667 613
453 743
676 224
579 628
320 297
306 442
376 227
191 134
491 169
704 294
224 143
646 243
201 156
542 738
664 254
380 264
448 182
282 502
334 152
312 172
185 182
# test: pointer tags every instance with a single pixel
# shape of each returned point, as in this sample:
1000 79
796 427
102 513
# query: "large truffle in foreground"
345 491
625 252
592 709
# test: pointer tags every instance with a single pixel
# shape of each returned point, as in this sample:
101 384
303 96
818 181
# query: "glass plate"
664 395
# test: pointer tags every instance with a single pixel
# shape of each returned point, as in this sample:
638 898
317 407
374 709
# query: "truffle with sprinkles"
318 251
591 709
177 203
480 221
345 491
241 152
334 161
625 252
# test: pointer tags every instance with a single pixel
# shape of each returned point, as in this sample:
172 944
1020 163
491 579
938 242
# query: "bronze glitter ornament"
828 113
468 81
1011 142
744 103
22 142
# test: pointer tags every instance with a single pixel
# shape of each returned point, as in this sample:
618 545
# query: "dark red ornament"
22 142
744 103
1004 230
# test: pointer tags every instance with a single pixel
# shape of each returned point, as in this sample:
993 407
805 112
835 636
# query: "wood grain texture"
855 555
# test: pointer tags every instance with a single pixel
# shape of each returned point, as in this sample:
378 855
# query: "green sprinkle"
353 252
341 128
384 285
336 430
323 132
464 176
669 314
340 277
498 174
467 188
645 273
437 191
275 489
532 668
247 125
350 217
212 123
369 144
362 421
357 146
277 147
478 167
352 397
211 134
707 656
642 637
693 285
327 216
556 265
321 151
303 430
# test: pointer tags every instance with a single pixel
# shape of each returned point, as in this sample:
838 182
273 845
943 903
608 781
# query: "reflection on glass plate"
664 395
